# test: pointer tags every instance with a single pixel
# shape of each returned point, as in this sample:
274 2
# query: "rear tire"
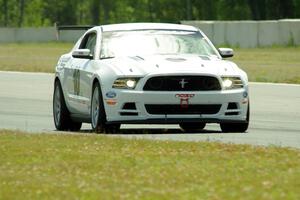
192 127
61 115
236 127
98 115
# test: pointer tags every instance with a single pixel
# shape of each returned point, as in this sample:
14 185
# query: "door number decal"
76 80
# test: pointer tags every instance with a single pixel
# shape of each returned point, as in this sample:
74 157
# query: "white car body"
77 75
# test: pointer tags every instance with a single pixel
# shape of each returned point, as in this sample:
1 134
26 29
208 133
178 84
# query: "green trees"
17 13
273 9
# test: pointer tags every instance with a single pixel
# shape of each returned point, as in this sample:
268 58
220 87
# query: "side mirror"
82 53
225 52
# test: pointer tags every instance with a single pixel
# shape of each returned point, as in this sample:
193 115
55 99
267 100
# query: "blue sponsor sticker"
111 94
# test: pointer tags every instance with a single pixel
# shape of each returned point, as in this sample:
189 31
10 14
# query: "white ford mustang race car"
143 73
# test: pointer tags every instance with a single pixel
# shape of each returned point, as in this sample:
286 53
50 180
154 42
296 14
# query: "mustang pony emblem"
182 83
184 99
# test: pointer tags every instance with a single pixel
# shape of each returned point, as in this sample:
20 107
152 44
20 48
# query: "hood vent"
204 57
176 59
137 58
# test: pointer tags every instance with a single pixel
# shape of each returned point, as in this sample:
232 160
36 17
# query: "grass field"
88 166
31 57
274 64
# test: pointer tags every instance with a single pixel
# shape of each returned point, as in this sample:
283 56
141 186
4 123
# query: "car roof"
145 26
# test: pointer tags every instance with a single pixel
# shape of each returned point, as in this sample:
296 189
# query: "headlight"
125 83
232 83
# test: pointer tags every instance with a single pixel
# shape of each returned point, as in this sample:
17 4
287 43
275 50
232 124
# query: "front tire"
61 115
236 127
192 127
98 116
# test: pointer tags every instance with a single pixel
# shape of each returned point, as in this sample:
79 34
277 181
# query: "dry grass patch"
31 57
276 64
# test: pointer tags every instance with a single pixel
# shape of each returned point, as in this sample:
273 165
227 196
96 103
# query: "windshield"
149 42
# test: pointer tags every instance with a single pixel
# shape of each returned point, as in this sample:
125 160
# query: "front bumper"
233 106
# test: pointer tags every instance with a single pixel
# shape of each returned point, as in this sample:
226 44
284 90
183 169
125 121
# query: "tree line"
34 13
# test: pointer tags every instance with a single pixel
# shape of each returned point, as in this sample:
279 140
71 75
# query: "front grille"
232 106
182 83
129 114
231 113
129 106
162 109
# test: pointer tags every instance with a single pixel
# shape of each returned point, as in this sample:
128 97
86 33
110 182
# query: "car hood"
172 64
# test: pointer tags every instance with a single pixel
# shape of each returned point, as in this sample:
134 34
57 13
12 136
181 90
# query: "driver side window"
89 42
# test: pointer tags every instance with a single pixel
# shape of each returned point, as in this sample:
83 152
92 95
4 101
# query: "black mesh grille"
129 106
158 109
128 114
232 106
231 113
182 83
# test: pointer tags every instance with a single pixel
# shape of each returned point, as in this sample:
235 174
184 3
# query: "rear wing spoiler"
60 28
73 27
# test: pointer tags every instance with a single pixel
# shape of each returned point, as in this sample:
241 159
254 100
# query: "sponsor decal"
111 94
184 99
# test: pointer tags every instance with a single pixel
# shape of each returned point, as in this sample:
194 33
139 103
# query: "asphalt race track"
26 104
